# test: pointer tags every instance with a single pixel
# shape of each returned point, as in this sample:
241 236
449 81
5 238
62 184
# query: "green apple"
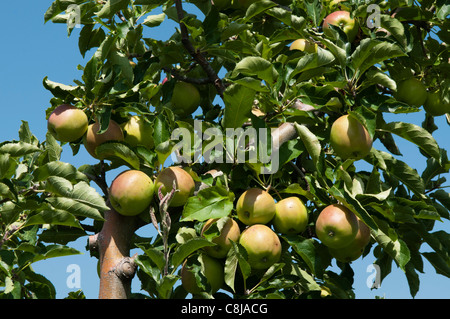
185 99
349 138
336 226
138 132
355 249
411 91
262 245
229 231
92 139
291 216
67 123
184 183
304 45
434 104
343 20
255 206
131 192
211 268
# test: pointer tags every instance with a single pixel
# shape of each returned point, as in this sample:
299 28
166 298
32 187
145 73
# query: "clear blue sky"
32 50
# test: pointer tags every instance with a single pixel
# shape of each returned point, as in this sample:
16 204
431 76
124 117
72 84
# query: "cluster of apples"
256 209
68 123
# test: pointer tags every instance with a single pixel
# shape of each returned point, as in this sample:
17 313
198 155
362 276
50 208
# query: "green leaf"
53 217
18 149
394 247
237 256
415 134
57 168
79 200
211 202
258 7
111 7
90 38
311 142
238 101
395 28
184 250
154 20
371 52
398 169
258 66
313 61
306 249
156 255
119 150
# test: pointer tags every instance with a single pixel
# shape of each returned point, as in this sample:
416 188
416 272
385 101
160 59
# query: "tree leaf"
313 61
111 7
18 149
253 65
238 101
57 168
184 250
211 202
311 142
53 217
119 150
415 134
371 52
79 200
399 169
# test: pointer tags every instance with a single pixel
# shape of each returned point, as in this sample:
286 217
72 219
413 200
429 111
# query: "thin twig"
197 55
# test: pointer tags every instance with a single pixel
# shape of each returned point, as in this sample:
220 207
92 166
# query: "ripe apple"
183 182
355 249
230 232
303 45
336 226
92 139
185 99
255 206
291 216
349 138
343 20
262 245
211 268
67 123
434 104
131 192
138 132
411 91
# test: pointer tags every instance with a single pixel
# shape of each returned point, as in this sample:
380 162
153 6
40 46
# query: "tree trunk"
117 269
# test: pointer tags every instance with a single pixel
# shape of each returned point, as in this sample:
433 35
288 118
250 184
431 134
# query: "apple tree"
234 143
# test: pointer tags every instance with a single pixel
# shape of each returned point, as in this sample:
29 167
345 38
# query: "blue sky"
32 50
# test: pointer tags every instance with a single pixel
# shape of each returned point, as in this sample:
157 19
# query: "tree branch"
197 55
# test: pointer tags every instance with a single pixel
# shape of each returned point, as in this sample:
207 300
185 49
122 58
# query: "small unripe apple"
67 123
131 192
303 45
349 138
92 139
183 182
138 132
255 206
343 20
185 99
262 245
229 232
211 268
411 91
434 105
291 216
336 226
